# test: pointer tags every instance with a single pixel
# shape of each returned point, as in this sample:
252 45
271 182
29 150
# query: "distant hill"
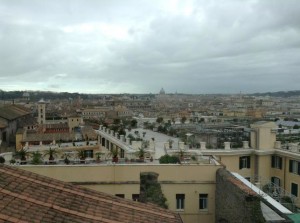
282 94
48 95
37 95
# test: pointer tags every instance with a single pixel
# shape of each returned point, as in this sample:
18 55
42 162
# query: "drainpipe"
284 174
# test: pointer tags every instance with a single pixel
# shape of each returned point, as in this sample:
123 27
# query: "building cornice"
228 152
257 152
286 153
264 152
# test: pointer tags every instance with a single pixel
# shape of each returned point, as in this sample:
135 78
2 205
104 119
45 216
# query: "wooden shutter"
248 161
291 166
273 161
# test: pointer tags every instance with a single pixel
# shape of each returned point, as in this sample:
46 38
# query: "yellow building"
265 161
182 185
73 122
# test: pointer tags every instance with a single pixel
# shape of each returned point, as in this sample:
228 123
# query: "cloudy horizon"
132 46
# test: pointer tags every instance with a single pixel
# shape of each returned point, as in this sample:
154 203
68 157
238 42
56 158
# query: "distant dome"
162 91
41 101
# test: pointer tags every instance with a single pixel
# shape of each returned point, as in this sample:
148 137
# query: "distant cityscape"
206 158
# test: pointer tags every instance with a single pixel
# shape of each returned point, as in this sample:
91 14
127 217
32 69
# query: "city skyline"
193 47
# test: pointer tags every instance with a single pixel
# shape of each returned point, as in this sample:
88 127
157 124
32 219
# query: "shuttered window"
245 162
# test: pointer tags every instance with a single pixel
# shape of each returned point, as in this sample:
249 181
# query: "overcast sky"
127 46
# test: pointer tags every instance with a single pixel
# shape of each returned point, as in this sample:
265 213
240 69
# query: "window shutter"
298 168
241 163
291 166
248 161
273 162
294 189
280 162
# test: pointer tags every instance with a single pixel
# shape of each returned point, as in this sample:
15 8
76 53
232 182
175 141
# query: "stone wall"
235 202
150 190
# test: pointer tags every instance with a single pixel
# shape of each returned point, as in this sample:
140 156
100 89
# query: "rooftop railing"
290 147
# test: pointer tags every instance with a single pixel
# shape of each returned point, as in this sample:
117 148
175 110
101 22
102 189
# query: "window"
276 162
88 153
294 167
244 162
275 181
120 195
180 201
4 136
135 197
294 189
203 199
122 155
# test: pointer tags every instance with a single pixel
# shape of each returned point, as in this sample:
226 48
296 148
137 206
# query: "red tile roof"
29 197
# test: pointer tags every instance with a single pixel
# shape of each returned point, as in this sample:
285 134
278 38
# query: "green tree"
2 159
172 131
117 121
159 120
169 159
201 120
133 123
122 132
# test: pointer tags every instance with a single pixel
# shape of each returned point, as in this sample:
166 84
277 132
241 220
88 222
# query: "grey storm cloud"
140 46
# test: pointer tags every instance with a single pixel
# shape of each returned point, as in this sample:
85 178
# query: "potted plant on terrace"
170 143
51 153
98 156
66 157
22 154
181 154
141 154
81 156
36 158
114 153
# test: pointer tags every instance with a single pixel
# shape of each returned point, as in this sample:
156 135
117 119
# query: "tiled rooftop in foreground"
29 197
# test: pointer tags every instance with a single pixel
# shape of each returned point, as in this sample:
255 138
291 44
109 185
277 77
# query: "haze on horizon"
138 46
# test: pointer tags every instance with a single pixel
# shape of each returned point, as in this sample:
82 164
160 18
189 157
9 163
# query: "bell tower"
41 112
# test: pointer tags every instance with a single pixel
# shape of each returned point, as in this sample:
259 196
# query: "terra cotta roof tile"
29 197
